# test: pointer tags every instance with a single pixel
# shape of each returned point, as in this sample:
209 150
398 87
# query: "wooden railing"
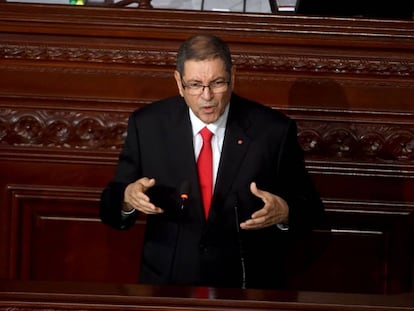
53 296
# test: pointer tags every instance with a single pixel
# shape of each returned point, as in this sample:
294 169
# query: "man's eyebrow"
199 81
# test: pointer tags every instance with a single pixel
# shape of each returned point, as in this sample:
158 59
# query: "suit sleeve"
306 211
127 171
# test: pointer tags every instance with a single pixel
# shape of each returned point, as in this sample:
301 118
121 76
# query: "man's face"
211 102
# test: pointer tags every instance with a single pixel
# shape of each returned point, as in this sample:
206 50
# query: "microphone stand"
183 197
241 249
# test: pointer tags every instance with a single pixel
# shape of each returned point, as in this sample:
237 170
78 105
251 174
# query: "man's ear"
177 77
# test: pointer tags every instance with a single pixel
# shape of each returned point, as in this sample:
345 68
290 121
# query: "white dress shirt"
218 128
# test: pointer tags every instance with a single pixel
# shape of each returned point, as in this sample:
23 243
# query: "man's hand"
135 197
274 211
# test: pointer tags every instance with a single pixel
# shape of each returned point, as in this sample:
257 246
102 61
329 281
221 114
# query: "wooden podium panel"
55 232
91 296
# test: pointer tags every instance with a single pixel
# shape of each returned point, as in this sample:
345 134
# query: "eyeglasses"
216 87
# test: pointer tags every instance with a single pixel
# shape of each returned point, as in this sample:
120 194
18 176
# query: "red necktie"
205 169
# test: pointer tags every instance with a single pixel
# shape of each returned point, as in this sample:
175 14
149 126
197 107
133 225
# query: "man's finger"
147 183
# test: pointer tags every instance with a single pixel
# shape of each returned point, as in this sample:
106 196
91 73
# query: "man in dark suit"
263 199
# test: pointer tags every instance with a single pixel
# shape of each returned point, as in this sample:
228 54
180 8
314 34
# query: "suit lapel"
180 142
235 146
181 155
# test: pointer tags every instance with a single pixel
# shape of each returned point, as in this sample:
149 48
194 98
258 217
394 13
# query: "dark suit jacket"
180 246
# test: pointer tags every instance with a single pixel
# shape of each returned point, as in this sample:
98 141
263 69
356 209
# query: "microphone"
184 192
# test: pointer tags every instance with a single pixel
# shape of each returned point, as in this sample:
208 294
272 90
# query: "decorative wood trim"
265 62
323 139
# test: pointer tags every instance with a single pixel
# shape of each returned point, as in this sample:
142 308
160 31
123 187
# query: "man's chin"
209 118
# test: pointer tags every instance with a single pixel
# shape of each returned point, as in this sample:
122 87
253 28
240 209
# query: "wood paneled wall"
71 75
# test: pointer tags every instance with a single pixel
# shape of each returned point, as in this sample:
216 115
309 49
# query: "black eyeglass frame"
209 86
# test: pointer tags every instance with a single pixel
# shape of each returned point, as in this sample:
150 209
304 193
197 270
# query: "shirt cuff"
283 227
125 214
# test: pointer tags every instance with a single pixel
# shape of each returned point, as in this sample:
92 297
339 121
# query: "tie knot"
206 134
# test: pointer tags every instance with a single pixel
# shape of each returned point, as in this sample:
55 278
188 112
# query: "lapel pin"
240 142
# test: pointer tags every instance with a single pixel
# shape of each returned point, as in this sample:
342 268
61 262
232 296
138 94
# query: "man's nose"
207 93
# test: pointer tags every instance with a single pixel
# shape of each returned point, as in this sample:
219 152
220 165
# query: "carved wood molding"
326 64
63 129
280 62
322 139
365 142
86 54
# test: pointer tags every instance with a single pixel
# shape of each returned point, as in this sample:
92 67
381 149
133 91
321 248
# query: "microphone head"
184 190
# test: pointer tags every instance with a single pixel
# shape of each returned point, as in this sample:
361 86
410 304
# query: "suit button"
203 248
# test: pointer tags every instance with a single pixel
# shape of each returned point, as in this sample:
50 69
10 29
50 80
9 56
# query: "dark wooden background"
70 76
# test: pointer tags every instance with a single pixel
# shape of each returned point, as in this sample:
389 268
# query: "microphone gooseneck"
184 195
241 249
